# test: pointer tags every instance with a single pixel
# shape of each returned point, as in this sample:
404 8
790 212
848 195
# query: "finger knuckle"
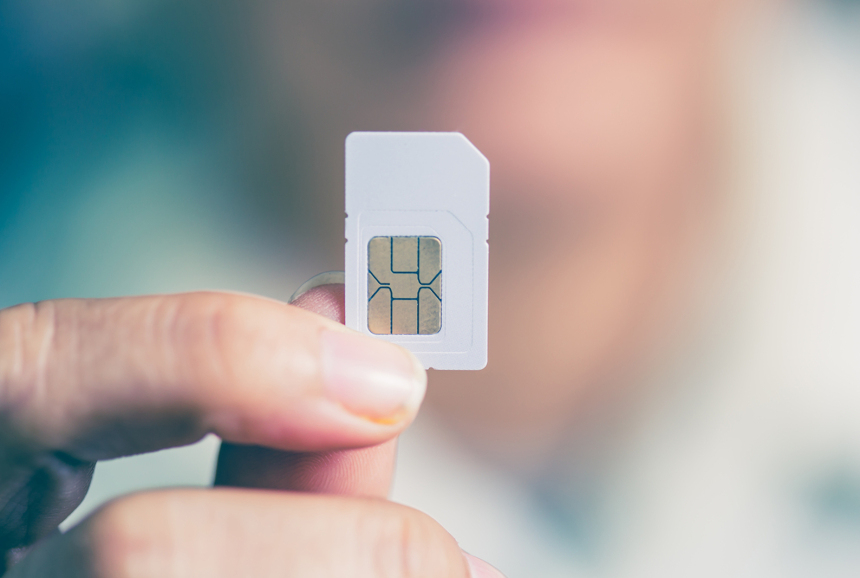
201 326
26 339
410 544
218 332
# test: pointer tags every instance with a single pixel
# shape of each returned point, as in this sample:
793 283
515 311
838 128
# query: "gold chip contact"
404 285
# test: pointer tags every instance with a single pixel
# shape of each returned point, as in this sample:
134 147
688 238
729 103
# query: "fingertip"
323 295
371 378
360 472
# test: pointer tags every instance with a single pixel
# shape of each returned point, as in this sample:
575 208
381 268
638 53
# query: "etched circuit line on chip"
413 306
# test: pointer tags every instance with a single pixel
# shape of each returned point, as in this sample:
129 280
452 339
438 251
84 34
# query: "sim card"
416 244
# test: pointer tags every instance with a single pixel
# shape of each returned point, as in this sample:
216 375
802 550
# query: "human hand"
83 380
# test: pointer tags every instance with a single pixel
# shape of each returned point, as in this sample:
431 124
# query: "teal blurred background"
138 154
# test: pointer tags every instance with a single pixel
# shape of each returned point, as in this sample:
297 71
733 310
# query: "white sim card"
416 244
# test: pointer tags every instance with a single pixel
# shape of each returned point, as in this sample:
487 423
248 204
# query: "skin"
598 120
83 380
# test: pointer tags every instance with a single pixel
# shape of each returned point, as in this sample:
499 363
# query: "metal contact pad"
404 285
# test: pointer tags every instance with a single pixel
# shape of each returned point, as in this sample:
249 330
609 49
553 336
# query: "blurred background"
674 378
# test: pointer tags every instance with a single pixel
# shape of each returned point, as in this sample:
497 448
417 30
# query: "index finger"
108 377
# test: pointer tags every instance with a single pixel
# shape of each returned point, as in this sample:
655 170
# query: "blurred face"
595 116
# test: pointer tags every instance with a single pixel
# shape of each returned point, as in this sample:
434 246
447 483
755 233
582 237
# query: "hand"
83 380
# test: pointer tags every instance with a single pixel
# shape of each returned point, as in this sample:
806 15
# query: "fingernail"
480 569
370 377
